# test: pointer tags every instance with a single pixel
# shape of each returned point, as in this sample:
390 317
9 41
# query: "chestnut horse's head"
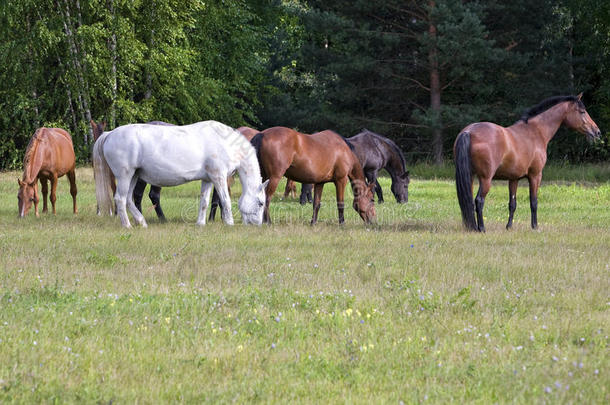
578 119
363 201
27 195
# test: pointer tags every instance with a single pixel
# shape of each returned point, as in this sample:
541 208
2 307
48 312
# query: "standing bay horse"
318 158
172 155
493 152
377 152
49 155
138 192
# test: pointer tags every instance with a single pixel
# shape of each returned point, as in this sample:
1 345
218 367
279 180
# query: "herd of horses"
129 157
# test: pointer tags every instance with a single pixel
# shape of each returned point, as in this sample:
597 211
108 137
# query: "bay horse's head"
26 195
364 201
578 119
98 129
400 187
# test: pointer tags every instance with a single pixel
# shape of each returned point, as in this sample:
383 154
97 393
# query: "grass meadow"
413 310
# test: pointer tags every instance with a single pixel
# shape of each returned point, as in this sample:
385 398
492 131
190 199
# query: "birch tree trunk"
83 96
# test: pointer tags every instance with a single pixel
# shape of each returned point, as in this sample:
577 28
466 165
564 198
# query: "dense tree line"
414 70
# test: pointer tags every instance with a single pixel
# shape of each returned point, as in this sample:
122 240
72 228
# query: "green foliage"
307 64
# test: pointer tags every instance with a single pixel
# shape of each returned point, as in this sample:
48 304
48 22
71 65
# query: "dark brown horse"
318 158
49 155
512 153
377 152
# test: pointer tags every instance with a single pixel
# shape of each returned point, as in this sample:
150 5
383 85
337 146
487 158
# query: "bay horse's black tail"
257 142
463 180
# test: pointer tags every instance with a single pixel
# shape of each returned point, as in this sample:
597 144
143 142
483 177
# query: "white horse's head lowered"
251 206
172 155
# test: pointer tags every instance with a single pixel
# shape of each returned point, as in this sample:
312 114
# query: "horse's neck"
547 123
33 162
394 164
249 173
356 174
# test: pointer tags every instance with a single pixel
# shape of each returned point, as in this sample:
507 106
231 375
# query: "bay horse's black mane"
546 104
389 142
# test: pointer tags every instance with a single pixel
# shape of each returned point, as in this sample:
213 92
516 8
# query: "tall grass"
554 172
412 310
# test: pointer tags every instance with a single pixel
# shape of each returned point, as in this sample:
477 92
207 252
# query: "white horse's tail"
103 178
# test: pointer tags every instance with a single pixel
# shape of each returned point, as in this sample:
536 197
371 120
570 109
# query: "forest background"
416 71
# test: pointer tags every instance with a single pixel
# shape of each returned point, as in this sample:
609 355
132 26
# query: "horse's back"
367 146
57 149
302 157
172 155
248 132
497 151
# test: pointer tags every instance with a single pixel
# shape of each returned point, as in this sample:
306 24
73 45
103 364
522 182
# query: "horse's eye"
31 199
260 203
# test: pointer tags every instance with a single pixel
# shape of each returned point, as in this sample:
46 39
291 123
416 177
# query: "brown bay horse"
318 158
49 155
490 151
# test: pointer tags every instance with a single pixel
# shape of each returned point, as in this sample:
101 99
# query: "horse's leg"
289 188
225 200
317 197
534 184
269 191
204 200
340 188
113 188
155 197
135 212
215 204
53 192
305 196
122 195
379 191
72 179
512 201
44 182
138 193
484 186
371 177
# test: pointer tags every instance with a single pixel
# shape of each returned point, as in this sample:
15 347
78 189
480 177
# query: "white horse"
172 155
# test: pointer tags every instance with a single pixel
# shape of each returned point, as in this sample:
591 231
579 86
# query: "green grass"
413 310
583 173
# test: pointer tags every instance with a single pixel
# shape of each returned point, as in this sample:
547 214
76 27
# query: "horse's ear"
19 182
579 96
264 185
92 123
372 187
405 175
103 125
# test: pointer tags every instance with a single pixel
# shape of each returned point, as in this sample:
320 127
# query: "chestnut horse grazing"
49 155
512 153
318 158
